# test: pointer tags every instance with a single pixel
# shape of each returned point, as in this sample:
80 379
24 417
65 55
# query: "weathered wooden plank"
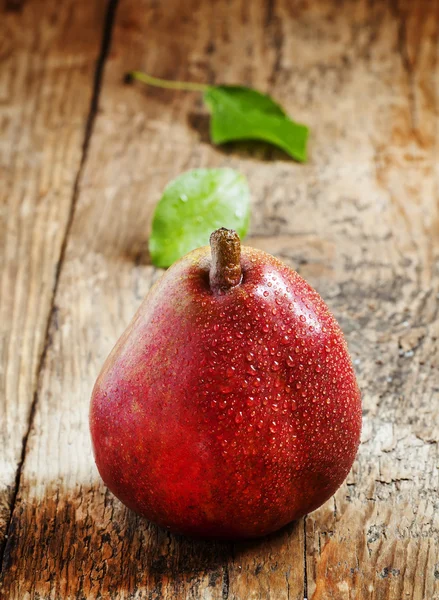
380 537
48 52
78 540
360 221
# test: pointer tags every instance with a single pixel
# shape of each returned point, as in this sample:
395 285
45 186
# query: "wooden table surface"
83 160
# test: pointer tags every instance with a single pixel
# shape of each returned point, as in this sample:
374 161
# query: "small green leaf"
240 113
192 206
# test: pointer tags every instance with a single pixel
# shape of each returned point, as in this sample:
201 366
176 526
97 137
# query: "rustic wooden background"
83 160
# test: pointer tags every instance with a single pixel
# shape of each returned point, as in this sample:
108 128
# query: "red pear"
229 407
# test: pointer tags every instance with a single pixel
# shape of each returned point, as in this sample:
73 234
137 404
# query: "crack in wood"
305 570
226 582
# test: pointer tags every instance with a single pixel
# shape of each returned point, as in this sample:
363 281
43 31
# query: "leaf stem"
187 86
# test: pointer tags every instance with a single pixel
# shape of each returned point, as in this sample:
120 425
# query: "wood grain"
360 221
46 84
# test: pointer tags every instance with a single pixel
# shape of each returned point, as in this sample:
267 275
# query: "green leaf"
192 206
240 113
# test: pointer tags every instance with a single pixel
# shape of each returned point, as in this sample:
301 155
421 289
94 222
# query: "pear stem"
225 270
